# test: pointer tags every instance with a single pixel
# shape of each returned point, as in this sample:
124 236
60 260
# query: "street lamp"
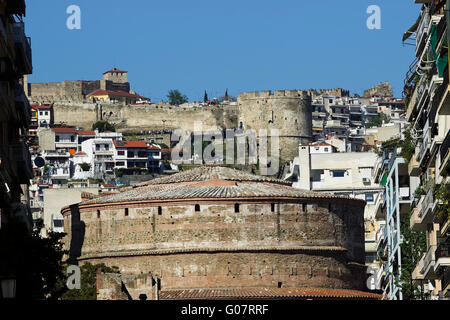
8 287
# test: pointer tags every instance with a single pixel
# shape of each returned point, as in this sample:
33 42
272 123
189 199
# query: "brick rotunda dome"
219 231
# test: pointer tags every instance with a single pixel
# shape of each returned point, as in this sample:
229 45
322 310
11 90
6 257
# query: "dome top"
212 183
213 172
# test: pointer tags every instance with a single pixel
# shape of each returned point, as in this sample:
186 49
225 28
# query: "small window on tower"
197 208
159 211
236 207
126 212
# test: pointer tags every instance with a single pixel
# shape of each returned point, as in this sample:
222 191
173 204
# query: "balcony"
415 222
426 207
23 49
417 272
442 256
15 7
445 155
22 157
422 31
413 167
424 146
446 282
427 268
23 106
444 105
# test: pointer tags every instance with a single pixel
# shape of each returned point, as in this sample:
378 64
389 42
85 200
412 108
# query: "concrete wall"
56 199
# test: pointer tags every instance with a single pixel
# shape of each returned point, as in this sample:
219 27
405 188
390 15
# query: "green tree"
88 290
378 120
176 98
103 126
205 97
85 166
34 261
413 245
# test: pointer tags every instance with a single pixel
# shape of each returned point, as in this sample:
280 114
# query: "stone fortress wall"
286 110
289 111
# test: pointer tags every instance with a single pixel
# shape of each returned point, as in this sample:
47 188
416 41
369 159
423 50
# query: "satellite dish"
39 162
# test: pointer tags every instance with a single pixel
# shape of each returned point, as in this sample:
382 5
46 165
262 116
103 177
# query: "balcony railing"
422 29
446 278
429 259
23 49
22 157
444 150
443 251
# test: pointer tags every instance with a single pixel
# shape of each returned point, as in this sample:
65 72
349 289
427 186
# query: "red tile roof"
268 293
81 153
115 70
86 133
109 186
153 147
64 130
42 106
130 144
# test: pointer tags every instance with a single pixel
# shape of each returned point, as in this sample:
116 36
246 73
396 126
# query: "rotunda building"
215 232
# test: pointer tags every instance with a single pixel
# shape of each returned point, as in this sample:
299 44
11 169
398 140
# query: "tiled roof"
211 172
130 144
114 70
101 92
86 133
212 182
267 293
64 130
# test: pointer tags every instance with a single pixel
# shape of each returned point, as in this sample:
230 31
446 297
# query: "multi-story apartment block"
342 173
391 172
154 158
100 153
428 111
58 167
15 161
130 154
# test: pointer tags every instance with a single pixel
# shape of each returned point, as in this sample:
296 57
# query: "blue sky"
242 45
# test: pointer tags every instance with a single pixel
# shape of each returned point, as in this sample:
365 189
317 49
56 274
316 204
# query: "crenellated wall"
288 111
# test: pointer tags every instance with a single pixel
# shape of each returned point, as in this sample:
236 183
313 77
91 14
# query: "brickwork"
307 244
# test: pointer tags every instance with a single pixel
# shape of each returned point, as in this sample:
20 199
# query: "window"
41 113
159 211
98 214
197 208
57 138
121 153
130 154
272 207
338 173
46 113
369 197
326 149
58 223
236 207
126 212
72 138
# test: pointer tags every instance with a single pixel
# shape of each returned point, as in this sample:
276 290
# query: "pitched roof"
64 130
130 144
268 293
86 133
115 70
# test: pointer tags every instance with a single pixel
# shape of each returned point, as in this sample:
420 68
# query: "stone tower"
289 111
116 75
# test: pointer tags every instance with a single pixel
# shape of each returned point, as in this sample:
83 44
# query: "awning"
411 30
